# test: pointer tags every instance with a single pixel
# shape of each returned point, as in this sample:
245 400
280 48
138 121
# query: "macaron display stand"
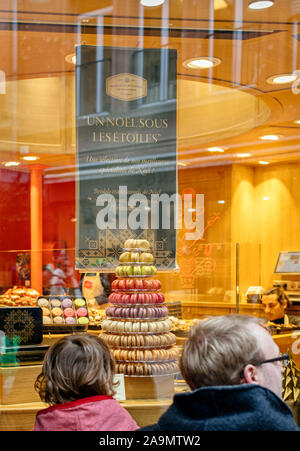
137 327
63 314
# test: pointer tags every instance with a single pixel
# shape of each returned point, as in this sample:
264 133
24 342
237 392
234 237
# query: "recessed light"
30 158
269 137
263 162
243 155
282 79
11 163
215 149
203 62
71 58
151 2
261 4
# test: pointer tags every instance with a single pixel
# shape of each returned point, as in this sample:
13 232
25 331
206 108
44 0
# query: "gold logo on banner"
126 87
19 323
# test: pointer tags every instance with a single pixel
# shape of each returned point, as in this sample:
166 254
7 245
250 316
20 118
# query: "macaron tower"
137 327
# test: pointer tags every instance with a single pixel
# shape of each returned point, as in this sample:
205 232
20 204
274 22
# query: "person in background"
234 370
275 301
96 288
77 383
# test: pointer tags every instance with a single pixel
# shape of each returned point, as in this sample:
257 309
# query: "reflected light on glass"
220 4
261 4
31 158
221 201
266 198
204 62
243 155
297 121
151 2
215 149
269 137
263 162
282 79
11 163
71 58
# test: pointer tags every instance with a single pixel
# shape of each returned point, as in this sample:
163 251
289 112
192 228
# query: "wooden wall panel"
277 219
261 212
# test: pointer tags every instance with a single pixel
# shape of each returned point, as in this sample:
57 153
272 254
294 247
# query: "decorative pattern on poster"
126 154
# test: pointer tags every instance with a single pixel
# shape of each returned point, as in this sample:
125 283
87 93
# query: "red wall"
58 221
14 220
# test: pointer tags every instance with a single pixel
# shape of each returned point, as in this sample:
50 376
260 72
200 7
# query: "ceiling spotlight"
11 163
71 58
151 2
243 155
282 79
203 62
269 137
263 162
215 149
260 4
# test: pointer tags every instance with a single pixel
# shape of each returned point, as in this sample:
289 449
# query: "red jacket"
97 413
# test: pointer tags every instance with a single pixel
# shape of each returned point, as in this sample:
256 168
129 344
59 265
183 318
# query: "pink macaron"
69 312
82 312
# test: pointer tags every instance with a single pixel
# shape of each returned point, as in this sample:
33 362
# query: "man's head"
274 302
228 350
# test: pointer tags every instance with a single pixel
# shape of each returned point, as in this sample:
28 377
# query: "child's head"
75 367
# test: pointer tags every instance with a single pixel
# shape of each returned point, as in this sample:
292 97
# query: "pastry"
55 303
46 311
42 302
70 320
67 303
56 311
79 302
58 320
82 311
83 320
47 320
69 312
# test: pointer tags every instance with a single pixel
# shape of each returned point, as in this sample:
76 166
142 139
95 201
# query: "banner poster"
126 158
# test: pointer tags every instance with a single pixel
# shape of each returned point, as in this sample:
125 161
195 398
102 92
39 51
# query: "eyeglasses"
283 358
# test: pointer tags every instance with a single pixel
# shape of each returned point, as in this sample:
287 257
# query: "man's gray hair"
218 349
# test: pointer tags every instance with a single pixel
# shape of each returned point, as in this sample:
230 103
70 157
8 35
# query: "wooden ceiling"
252 45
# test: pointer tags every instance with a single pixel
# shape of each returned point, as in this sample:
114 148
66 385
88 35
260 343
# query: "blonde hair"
218 349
